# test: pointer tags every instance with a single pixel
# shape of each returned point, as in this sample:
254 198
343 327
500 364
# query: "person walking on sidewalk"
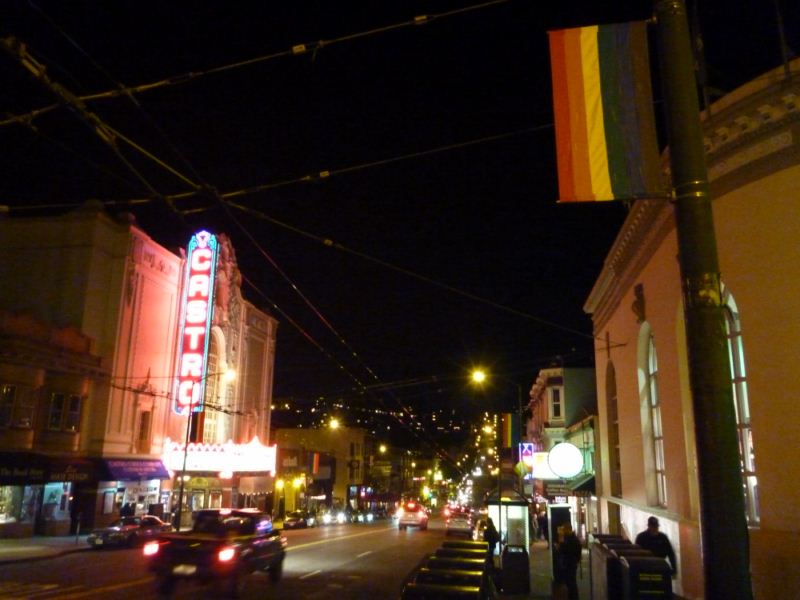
491 536
658 543
541 520
568 557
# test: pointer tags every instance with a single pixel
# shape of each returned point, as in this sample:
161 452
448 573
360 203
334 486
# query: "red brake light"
226 554
150 548
411 505
446 512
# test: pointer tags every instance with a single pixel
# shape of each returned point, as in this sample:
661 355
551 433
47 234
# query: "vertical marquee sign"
197 305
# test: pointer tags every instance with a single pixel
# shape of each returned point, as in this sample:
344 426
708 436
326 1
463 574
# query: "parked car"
412 514
299 519
458 521
223 546
128 531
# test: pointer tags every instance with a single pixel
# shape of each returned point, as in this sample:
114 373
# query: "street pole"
183 470
723 525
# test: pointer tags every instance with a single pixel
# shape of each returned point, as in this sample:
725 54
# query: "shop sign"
253 457
195 326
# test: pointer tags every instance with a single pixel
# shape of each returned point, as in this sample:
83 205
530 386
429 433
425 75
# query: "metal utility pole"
726 560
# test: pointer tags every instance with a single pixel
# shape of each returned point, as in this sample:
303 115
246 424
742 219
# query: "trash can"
516 574
606 570
645 577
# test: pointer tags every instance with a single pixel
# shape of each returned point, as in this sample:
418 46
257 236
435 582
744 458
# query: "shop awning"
583 483
122 469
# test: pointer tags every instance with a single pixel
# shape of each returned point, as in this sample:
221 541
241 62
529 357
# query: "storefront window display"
18 503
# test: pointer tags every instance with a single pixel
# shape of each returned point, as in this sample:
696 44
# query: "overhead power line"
295 50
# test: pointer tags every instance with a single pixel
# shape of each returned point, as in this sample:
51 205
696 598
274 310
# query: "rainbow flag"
509 430
313 463
606 144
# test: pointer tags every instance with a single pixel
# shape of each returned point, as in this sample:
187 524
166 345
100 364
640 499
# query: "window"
8 394
613 431
742 406
654 403
556 407
16 408
64 413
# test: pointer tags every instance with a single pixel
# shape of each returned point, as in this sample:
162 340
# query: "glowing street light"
478 376
382 448
334 424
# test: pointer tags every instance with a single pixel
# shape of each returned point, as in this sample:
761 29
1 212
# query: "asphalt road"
336 563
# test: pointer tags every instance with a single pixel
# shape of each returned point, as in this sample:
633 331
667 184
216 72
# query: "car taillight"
150 548
226 554
446 512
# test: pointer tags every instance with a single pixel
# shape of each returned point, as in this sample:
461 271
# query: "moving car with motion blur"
412 514
458 521
223 547
299 519
128 531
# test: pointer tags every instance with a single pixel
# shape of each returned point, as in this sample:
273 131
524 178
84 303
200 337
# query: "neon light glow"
253 457
195 325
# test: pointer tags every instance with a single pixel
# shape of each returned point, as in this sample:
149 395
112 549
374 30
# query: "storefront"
212 473
46 495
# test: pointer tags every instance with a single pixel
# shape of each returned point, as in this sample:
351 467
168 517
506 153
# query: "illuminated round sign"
565 460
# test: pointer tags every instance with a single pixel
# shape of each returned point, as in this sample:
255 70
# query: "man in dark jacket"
568 557
658 543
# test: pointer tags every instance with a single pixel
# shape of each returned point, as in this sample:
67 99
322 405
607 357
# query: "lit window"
613 431
742 406
556 407
654 403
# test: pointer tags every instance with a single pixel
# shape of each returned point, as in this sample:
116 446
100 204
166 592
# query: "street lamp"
228 375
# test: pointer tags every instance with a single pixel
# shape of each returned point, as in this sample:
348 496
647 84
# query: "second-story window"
8 395
64 413
556 404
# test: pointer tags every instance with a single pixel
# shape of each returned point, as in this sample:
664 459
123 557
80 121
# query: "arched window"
211 416
654 403
650 412
613 431
742 406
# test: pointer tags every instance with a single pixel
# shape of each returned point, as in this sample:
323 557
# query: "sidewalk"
39 547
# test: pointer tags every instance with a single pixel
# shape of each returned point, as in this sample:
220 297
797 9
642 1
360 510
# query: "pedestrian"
658 543
543 527
568 557
491 536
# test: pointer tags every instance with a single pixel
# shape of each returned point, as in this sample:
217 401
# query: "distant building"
90 309
563 409
331 462
647 430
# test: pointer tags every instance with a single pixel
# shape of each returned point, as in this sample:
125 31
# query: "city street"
346 561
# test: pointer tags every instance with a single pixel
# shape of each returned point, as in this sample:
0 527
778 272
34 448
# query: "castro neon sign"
195 326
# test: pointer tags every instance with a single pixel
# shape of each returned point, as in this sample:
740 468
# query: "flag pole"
725 544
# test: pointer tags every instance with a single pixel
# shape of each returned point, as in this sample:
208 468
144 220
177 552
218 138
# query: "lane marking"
337 538
317 572
105 588
363 554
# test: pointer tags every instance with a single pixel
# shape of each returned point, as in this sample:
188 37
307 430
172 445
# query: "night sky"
449 249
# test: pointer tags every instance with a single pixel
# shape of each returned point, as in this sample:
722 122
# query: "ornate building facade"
93 304
647 430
